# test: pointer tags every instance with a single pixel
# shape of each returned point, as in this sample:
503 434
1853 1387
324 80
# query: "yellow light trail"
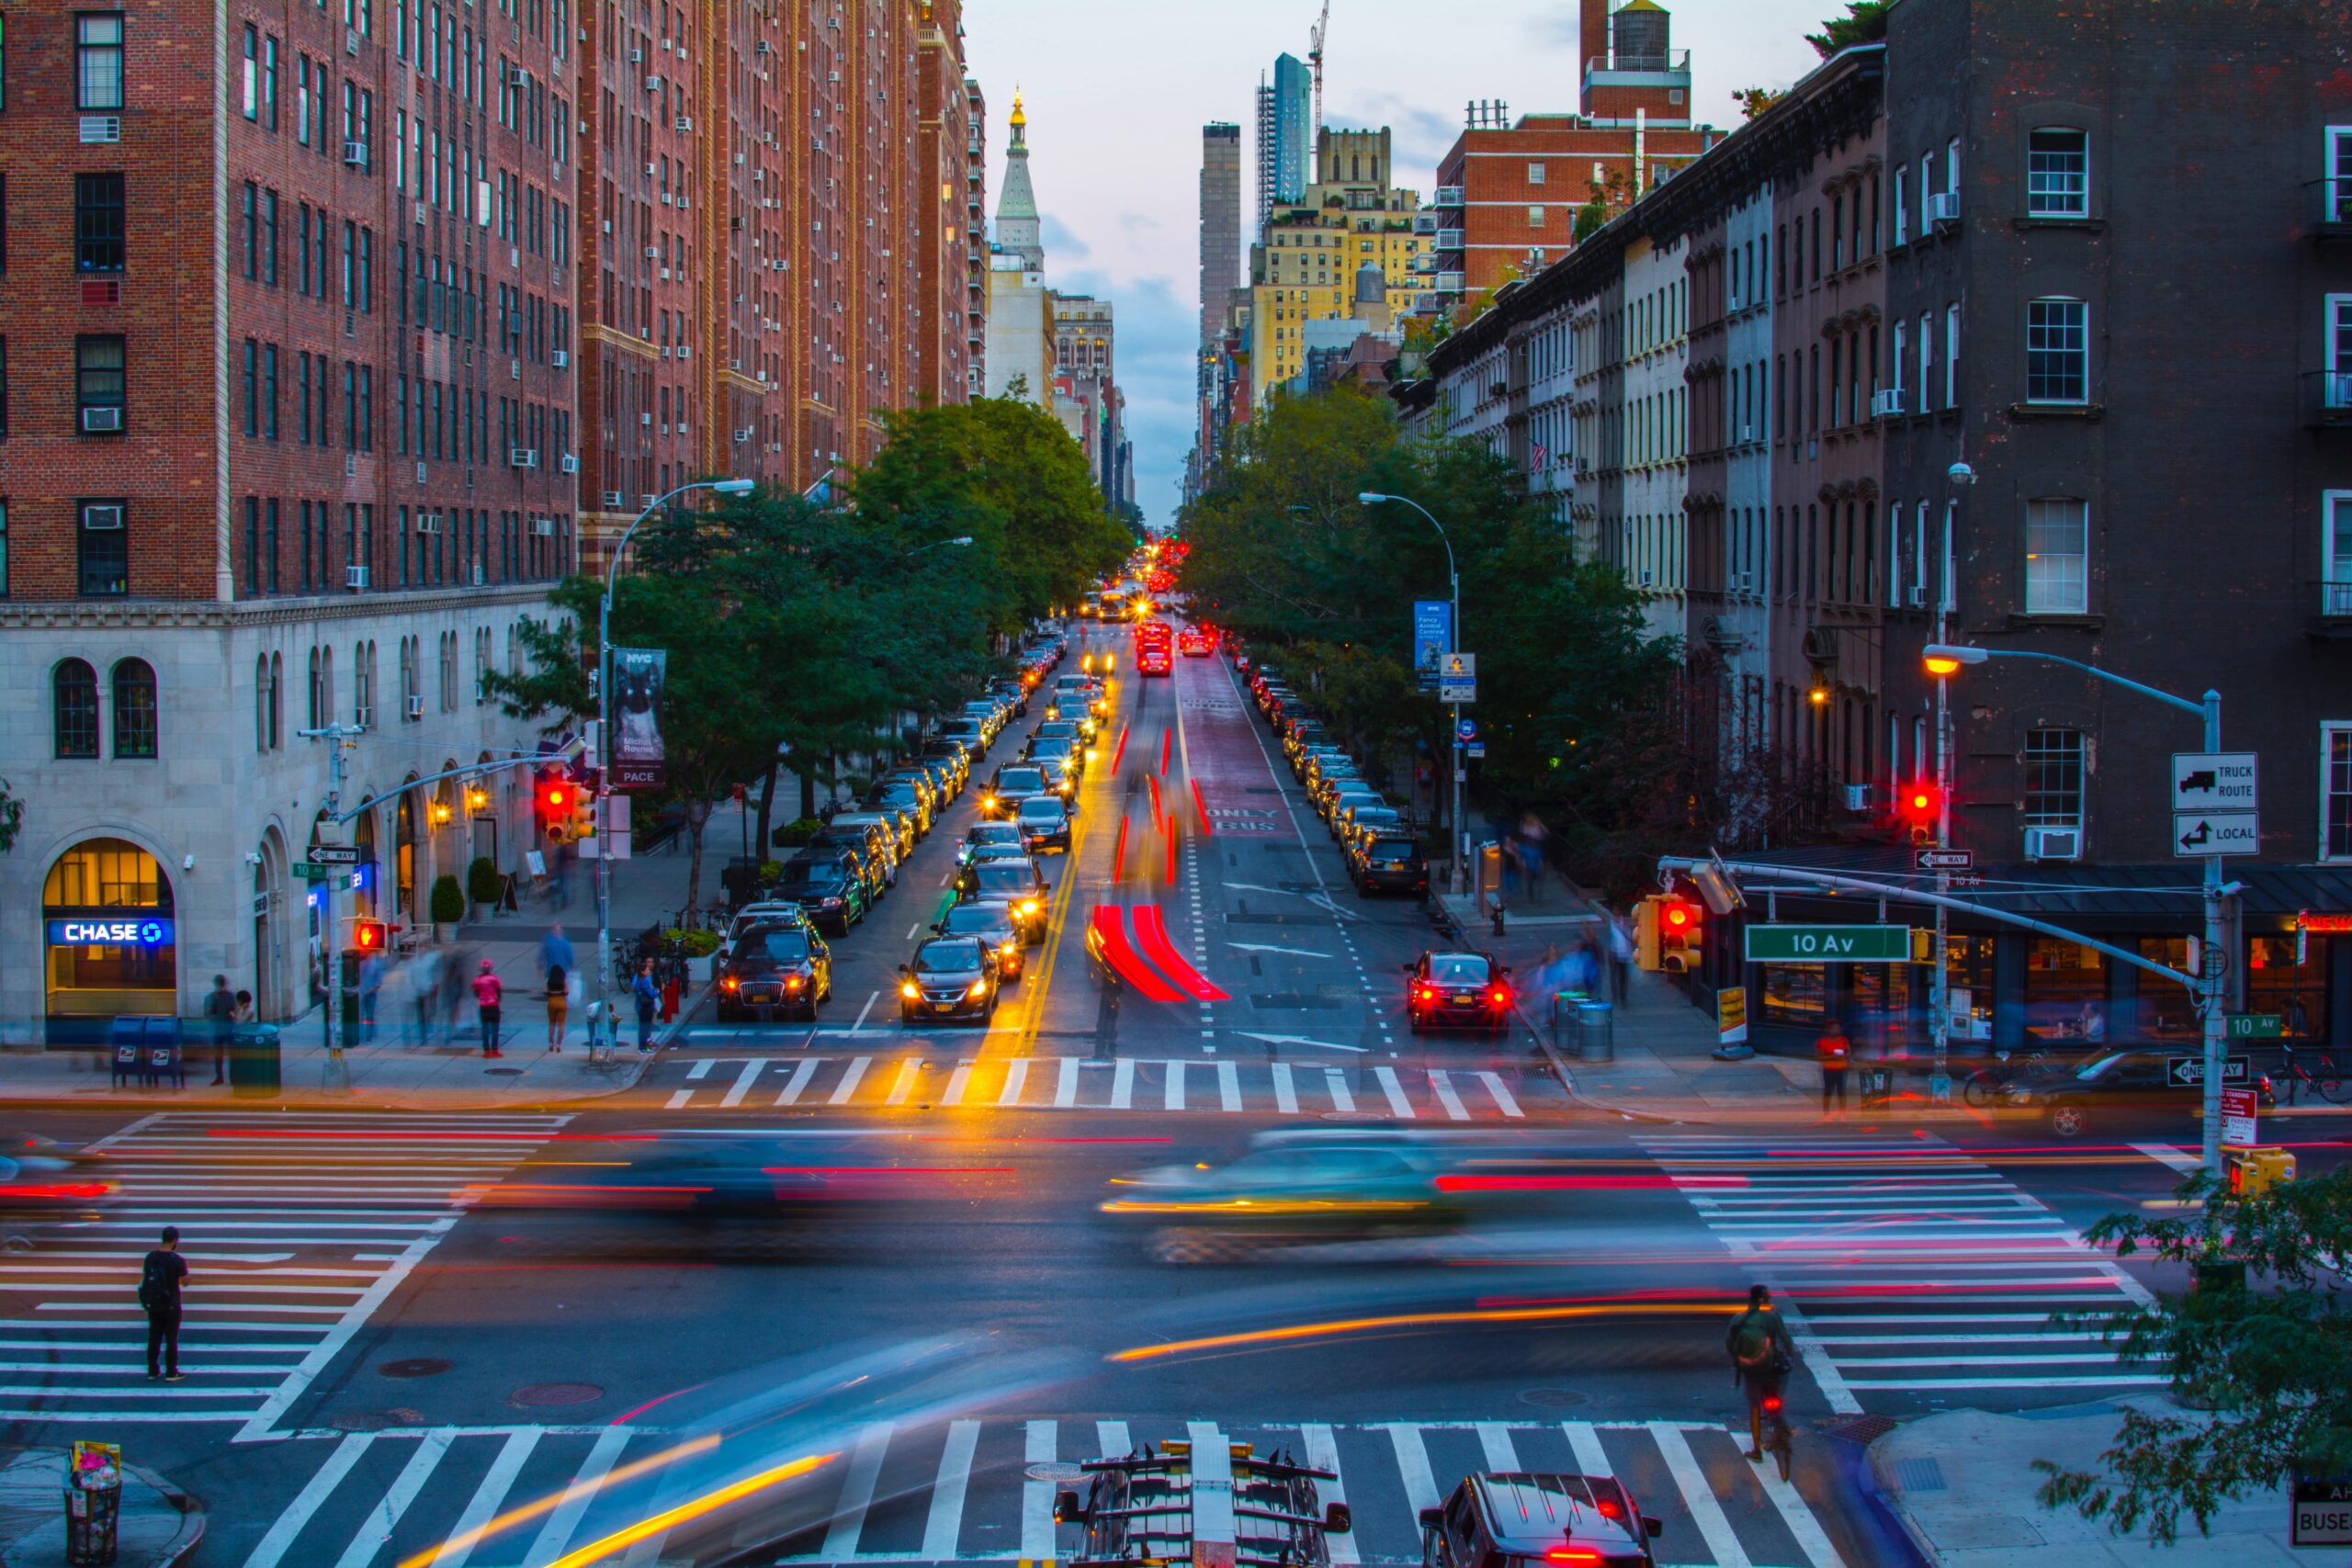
1467 1317
549 1504
710 1502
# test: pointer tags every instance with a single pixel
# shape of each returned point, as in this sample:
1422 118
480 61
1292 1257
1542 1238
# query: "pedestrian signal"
368 937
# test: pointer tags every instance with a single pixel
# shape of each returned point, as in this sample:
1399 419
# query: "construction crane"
1315 64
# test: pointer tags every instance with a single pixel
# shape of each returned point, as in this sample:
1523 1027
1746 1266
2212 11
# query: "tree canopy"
1864 22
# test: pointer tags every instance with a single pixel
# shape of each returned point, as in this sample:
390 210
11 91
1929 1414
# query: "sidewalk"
159 1524
1961 1484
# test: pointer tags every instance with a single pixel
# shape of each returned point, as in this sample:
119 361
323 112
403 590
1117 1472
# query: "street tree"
1864 22
2262 1358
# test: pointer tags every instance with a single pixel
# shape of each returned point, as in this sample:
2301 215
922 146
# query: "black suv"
830 886
1388 863
773 970
1526 1520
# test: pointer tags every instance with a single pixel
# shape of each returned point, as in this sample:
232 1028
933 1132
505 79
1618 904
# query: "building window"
2334 788
2340 173
102 549
1952 356
73 709
2336 558
98 223
2053 778
4 546
269 81
2058 173
1535 174
97 61
2057 352
98 379
250 97
2057 555
1902 207
261 703
1534 218
134 708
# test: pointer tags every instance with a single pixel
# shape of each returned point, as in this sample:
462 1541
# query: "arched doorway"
368 874
404 855
109 942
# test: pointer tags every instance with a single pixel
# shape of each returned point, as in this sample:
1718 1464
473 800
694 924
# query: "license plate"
943 1006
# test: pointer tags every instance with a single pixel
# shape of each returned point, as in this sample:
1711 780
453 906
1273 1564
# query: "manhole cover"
540 1394
502 1072
415 1366
1862 1430
1056 1473
1553 1398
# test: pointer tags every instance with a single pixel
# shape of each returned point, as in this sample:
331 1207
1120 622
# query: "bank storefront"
109 939
2009 989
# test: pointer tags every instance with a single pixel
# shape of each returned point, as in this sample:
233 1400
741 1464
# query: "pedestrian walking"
1621 957
1837 1053
453 993
159 1293
371 990
648 996
424 991
221 1012
488 993
559 1004
1582 971
244 1014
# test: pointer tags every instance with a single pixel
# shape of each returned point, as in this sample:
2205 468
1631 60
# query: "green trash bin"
254 1062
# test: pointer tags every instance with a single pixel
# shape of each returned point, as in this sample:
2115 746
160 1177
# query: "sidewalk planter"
484 886
447 909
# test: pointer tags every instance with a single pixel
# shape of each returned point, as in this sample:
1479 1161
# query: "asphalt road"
409 1342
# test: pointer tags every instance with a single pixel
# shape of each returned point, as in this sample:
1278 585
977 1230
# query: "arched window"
134 708
409 707
277 701
363 685
75 693
261 703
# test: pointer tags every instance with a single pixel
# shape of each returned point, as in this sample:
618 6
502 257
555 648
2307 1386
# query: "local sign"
1828 945
2188 1072
150 930
2197 834
2322 1513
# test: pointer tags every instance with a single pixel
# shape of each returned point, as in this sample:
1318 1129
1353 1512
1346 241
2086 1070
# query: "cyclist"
1761 1355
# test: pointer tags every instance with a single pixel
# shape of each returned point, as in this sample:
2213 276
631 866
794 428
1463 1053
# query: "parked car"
1389 863
829 887
896 831
867 846
783 968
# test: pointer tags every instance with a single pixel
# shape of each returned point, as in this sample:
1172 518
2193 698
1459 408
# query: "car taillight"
1772 1405
1500 997
1424 994
1577 1556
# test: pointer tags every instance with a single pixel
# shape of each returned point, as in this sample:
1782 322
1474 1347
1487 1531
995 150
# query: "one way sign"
2188 1072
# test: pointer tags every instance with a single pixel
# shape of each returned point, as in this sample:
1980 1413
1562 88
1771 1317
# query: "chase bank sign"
145 932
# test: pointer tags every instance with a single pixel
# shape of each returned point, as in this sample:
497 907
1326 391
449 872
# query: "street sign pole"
1939 1001
2214 972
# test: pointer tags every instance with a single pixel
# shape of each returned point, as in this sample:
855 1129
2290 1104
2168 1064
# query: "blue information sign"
138 930
1433 635
1467 730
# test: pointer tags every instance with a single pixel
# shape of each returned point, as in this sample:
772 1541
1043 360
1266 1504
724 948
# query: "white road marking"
484 1507
2165 1154
742 1085
556 1535
848 1086
1723 1545
864 1011
1175 1099
1255 947
1228 1086
914 930
1065 1092
1413 1466
1397 1104
1494 1441
1342 1098
397 1497
1122 1084
272 1548
802 1072
1016 1080
1323 1453
947 1518
955 1082
1442 1085
1584 1441
1285 1095
1494 1082
858 1491
1299 1040
1037 1497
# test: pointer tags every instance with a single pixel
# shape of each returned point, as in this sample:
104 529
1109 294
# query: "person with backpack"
1761 1355
555 952
159 1294
488 993
648 997
1837 1052
221 1012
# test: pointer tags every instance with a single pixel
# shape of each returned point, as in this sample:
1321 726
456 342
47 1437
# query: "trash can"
1596 1032
254 1062
93 1504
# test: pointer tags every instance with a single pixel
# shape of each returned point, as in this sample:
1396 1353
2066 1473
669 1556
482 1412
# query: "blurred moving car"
45 1179
771 970
1290 1186
1521 1519
1457 990
948 978
2119 1090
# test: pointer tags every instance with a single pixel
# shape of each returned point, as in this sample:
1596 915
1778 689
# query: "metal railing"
1678 61
2327 396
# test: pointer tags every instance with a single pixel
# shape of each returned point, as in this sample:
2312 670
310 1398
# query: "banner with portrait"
637 755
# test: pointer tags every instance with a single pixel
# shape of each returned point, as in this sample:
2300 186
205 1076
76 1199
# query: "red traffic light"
1678 916
1919 802
556 798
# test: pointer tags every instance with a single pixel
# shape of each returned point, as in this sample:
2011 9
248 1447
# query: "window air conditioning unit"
101 127
652 252
645 417
2054 843
354 577
685 122
1945 209
481 574
1858 797
522 456
614 501
761 46
351 40
543 526
416 707
354 155
636 56
1886 403
1741 582
428 521
743 434
101 418
653 83
1645 579
558 358
571 464
1917 596
101 516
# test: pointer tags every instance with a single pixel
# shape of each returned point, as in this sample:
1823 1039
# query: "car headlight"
1028 906
979 988
1010 949
989 801
909 989
828 903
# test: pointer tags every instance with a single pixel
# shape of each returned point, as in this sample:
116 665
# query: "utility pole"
335 735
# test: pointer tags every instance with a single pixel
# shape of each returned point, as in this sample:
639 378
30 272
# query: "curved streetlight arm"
1371 498
1978 655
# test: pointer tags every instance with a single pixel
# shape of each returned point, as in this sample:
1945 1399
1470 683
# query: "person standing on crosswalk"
1836 1052
159 1293
488 993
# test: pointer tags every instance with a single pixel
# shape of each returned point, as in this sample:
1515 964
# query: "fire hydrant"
669 999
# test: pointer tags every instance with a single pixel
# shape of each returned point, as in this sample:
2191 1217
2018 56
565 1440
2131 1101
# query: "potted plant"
484 886
795 833
447 909
702 953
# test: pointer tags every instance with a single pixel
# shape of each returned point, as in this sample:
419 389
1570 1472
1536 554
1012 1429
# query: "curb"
1559 1066
1899 1541
192 1515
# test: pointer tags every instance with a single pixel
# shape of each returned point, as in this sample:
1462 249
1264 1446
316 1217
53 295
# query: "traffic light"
555 795
1920 804
368 938
1679 924
2254 1172
584 810
1645 933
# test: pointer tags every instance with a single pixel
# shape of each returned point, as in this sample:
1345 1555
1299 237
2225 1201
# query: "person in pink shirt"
487 994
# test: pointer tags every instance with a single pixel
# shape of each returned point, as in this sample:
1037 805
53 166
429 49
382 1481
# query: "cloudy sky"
1118 91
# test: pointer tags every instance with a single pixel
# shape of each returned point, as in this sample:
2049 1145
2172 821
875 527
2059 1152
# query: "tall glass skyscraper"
1285 126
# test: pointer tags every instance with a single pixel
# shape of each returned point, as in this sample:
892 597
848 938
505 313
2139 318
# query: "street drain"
1056 1473
1553 1398
533 1396
502 1072
415 1366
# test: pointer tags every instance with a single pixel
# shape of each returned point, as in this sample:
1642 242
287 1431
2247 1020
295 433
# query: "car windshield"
1057 730
1021 778
1045 808
2090 1070
813 873
1054 745
993 833
776 944
976 919
1007 876
1458 969
948 957
900 794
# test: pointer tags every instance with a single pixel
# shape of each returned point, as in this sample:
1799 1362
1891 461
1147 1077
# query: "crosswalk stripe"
495 1481
802 1072
742 1085
1494 1082
1494 1441
419 1469
1228 1086
1175 1086
1285 1095
857 1490
945 1520
563 1523
1413 1466
1799 1519
1037 1497
1342 1098
956 1081
903 1086
1122 1084
1398 1105
848 1086
280 1537
1111 1440
1723 1545
1066 1091
1323 1453
1584 1441
1442 1085
1016 1079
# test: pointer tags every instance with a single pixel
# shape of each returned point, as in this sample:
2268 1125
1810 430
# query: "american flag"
1540 457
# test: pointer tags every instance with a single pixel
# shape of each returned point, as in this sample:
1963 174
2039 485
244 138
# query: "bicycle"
2331 1084
1779 1441
1984 1085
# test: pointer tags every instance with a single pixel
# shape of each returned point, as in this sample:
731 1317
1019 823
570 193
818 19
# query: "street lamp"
937 544
1946 659
1461 836
604 742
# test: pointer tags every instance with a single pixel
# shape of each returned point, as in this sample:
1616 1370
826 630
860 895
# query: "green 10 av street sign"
1828 945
